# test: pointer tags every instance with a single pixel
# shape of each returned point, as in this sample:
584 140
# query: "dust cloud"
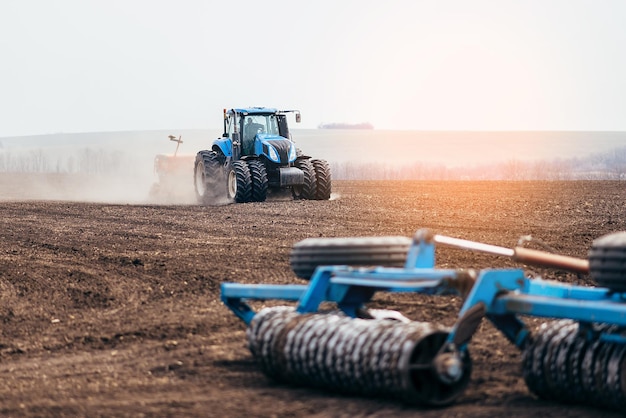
125 182
91 188
117 168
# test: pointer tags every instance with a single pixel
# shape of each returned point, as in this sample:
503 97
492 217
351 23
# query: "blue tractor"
256 156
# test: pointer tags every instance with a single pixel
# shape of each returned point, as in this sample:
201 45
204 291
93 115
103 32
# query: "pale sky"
125 65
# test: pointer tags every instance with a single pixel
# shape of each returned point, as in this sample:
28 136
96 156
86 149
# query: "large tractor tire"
258 174
239 183
308 190
310 253
322 177
207 177
607 261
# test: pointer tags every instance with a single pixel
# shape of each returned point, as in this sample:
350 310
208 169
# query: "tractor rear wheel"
258 174
322 176
206 175
308 189
310 253
239 183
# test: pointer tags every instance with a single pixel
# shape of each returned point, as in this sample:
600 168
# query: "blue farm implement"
327 338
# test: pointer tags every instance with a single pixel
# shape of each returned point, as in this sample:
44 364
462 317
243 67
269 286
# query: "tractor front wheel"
308 189
239 183
258 174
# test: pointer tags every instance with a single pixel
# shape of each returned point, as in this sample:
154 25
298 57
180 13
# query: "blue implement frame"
505 296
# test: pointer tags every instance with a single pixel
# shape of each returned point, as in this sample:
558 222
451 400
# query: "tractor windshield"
259 124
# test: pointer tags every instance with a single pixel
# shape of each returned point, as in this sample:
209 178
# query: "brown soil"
114 309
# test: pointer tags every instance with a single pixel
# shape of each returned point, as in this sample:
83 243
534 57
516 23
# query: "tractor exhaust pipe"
236 139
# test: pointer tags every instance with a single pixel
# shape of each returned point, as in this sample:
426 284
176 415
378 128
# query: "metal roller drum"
553 362
591 383
563 363
533 358
261 334
380 357
566 372
603 391
616 378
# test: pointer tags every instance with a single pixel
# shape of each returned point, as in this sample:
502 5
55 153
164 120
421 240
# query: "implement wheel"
607 261
310 253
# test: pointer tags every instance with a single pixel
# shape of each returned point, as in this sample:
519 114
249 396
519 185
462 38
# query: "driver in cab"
250 131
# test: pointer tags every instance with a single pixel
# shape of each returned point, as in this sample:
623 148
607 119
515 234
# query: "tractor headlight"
271 151
292 153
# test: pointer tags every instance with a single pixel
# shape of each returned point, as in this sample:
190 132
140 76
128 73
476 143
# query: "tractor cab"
263 126
258 132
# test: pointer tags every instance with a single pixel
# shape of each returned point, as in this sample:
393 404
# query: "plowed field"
114 310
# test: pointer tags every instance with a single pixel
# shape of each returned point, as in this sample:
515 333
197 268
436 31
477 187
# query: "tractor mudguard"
225 145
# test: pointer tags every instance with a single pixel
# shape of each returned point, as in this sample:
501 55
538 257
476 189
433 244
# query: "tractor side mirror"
298 118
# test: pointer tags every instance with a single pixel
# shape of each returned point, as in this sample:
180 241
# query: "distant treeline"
83 161
339 125
605 166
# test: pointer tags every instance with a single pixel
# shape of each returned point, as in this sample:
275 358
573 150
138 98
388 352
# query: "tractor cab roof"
258 111
254 111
